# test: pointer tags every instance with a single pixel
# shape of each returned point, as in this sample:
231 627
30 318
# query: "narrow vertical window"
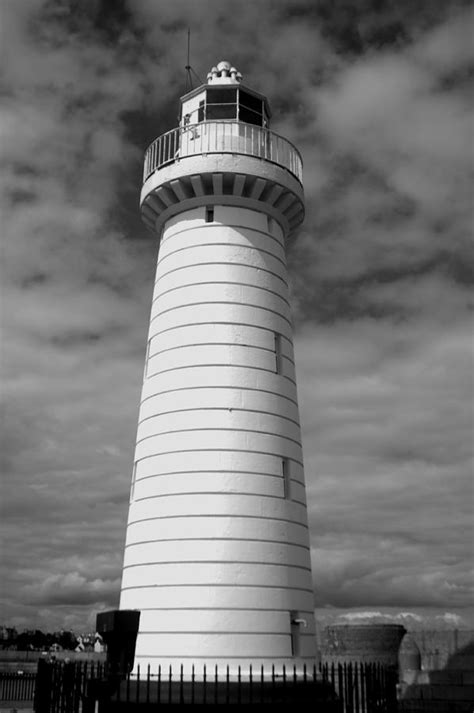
147 356
210 214
285 469
201 111
277 353
134 476
295 624
270 224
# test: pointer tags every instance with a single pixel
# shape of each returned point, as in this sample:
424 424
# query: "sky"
375 94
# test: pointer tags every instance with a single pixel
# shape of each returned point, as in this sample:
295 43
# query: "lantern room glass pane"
250 117
251 102
221 111
221 96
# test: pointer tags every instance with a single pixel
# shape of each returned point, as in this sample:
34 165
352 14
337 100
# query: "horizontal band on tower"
215 245
234 561
224 366
215 472
213 585
219 539
233 324
217 408
237 388
220 282
220 302
236 264
207 226
221 450
218 344
230 517
219 492
232 430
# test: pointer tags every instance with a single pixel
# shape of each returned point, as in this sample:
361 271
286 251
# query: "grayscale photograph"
237 355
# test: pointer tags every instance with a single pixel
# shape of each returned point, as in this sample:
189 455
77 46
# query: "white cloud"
379 280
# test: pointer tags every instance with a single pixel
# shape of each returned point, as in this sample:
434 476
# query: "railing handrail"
167 148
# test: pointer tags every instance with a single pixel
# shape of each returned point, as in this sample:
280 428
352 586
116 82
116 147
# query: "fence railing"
222 137
17 686
345 688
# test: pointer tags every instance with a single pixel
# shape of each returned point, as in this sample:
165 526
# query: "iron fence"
344 688
16 686
233 137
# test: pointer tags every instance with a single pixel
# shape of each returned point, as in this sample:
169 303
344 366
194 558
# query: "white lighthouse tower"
217 551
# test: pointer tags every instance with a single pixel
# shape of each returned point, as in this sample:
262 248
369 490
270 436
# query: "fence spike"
158 681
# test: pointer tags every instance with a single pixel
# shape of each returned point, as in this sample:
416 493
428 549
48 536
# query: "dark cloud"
375 95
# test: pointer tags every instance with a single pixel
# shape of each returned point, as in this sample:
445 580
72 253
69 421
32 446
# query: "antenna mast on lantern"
189 70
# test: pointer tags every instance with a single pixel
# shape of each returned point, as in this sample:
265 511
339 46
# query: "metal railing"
222 137
15 686
331 688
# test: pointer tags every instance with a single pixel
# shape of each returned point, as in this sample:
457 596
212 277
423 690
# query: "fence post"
42 698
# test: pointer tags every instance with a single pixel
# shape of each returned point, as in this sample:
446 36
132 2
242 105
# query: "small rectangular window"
270 223
134 476
285 469
201 110
277 353
147 357
210 214
295 624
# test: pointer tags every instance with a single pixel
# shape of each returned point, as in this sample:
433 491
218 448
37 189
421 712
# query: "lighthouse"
217 554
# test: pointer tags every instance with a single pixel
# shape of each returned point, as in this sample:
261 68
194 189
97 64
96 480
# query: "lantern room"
224 98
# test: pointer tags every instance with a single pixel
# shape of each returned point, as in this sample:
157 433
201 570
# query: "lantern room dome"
224 73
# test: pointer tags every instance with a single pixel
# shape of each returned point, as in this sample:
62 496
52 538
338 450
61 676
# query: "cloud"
390 474
72 589
377 103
